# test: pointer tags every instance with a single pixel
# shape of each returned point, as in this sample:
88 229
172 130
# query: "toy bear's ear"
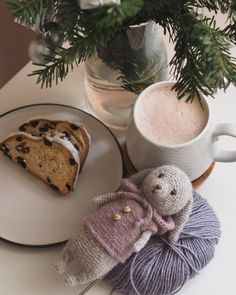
138 178
180 220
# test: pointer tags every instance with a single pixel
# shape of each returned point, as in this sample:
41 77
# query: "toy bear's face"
168 189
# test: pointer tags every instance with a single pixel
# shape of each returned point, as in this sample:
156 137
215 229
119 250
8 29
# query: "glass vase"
114 76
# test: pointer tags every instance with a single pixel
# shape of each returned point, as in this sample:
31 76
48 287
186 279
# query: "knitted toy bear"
151 202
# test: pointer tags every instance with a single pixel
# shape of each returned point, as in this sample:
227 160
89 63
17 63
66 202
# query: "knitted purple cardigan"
119 236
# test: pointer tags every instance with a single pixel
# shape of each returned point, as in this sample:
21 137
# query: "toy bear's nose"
156 188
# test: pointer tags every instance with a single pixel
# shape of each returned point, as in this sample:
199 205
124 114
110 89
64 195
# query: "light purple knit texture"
161 268
118 238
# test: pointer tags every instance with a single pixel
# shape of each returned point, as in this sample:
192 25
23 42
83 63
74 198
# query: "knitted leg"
65 260
82 277
104 263
70 252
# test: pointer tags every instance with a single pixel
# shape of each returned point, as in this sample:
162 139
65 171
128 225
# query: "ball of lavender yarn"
161 268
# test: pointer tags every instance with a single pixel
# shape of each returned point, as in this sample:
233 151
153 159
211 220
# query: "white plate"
31 213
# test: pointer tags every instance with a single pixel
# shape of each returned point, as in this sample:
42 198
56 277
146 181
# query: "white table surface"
28 271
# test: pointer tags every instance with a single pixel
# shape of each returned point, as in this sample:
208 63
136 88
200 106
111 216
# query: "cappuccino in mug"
164 119
166 131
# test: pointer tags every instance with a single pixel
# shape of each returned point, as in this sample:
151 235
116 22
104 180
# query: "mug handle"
221 155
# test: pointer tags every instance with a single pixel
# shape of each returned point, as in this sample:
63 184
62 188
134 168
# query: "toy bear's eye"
161 175
173 192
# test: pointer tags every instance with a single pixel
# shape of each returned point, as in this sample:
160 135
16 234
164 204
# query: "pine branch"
67 58
230 30
211 5
202 61
166 13
59 67
67 13
137 70
202 58
88 35
117 15
139 83
26 12
109 17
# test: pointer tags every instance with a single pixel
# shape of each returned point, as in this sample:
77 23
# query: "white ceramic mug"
194 156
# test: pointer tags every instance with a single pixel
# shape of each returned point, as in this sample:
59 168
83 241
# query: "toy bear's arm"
180 220
102 199
142 241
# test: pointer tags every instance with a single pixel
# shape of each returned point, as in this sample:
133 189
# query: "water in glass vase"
109 100
105 92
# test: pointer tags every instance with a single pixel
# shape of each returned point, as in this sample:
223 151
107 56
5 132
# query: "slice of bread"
53 160
76 133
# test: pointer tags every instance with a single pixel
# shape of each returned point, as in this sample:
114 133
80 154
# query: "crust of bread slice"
54 161
76 133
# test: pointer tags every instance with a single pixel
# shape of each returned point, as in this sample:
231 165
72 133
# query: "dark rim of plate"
77 109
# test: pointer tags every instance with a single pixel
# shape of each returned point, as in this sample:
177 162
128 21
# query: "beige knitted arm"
102 199
180 220
142 241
